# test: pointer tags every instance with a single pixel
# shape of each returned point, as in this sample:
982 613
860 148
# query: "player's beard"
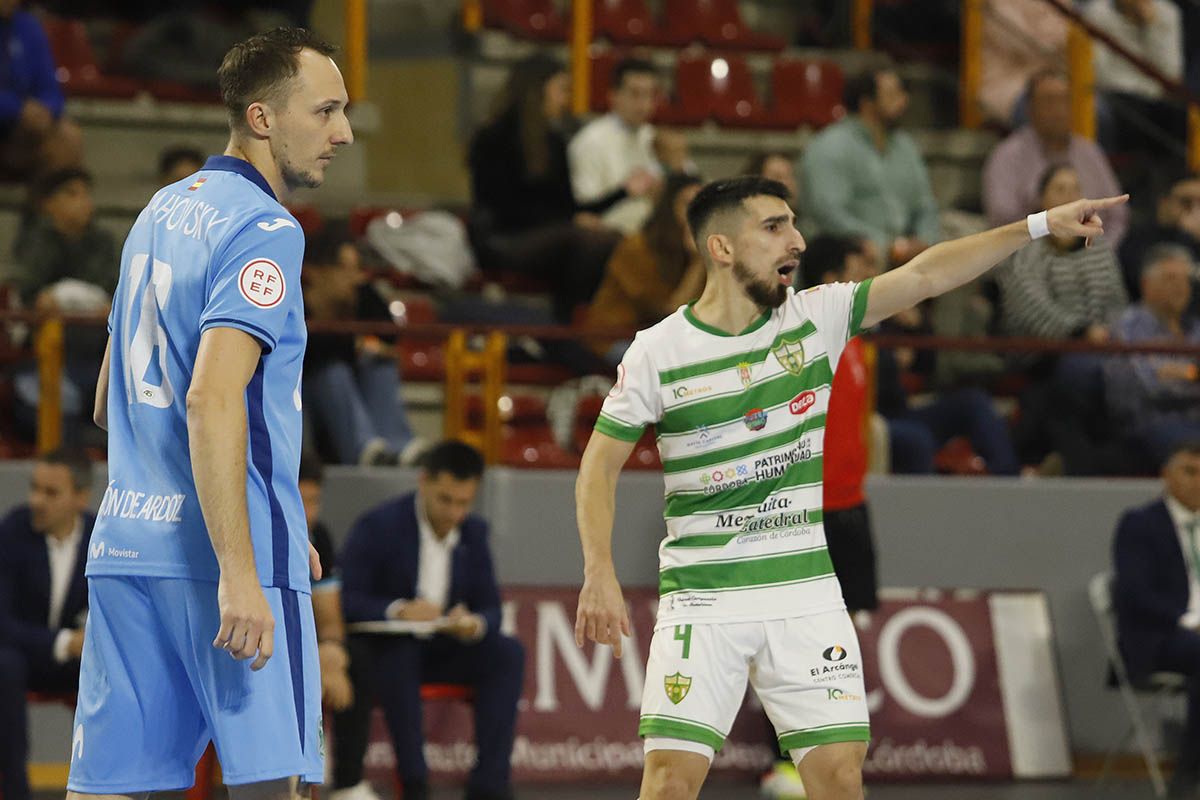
763 293
293 176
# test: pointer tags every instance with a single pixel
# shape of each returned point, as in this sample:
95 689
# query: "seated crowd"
590 214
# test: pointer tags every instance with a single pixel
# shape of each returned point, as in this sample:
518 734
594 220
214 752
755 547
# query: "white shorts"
807 672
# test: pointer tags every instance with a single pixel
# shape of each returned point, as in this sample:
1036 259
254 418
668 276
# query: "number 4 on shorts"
683 633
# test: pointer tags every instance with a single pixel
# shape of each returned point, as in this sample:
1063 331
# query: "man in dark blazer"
425 558
43 601
1156 595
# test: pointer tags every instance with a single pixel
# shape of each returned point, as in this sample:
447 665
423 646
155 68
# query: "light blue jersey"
216 250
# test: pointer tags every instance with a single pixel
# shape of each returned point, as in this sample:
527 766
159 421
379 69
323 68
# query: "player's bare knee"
281 789
834 772
672 778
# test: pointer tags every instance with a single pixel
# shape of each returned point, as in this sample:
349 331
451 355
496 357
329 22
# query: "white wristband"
1038 225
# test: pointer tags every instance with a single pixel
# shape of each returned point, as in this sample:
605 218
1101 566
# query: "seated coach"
424 557
43 600
1157 595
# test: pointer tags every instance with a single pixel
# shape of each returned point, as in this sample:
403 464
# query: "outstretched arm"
601 616
950 264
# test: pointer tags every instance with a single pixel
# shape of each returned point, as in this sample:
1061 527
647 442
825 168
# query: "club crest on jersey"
790 355
261 283
744 373
199 182
677 687
755 419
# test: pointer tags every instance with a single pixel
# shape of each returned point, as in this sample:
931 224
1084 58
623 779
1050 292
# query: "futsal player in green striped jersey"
737 385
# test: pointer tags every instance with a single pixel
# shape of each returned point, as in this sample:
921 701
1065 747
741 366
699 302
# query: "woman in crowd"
525 217
1057 288
652 272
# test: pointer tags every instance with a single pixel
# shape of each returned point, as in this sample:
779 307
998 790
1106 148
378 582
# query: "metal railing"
464 363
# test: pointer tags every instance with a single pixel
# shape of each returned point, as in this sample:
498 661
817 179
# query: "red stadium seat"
310 218
422 360
715 87
527 19
625 22
534 448
602 64
807 92
78 72
717 23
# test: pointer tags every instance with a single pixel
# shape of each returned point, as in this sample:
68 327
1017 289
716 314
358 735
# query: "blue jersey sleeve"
255 279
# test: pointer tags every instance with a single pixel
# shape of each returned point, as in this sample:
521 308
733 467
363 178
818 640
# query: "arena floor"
1077 790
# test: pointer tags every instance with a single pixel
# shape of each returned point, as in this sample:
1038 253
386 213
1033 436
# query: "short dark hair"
758 160
826 254
460 460
863 86
631 66
311 468
170 157
1189 447
51 183
1048 175
725 195
261 67
1044 74
322 248
76 463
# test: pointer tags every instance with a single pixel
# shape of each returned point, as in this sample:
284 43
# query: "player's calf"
673 775
833 771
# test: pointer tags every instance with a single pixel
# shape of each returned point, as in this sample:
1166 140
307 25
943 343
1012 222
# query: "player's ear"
259 119
719 247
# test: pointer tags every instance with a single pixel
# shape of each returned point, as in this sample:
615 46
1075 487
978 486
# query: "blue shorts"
153 691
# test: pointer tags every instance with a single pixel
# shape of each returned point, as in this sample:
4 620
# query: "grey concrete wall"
1049 534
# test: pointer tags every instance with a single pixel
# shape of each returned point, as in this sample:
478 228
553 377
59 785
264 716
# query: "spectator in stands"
1156 555
775 165
1012 171
917 432
62 242
64 261
1157 397
35 133
863 176
425 558
614 167
1153 31
43 600
653 272
525 217
345 678
178 162
1062 289
1059 288
351 383
1177 222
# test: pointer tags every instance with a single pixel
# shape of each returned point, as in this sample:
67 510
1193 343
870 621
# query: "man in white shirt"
424 559
1153 31
43 600
614 170
1156 595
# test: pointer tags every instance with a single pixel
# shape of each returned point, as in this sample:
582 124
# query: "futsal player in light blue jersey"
201 625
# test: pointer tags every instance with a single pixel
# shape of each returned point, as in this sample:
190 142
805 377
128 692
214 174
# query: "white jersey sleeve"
837 311
635 400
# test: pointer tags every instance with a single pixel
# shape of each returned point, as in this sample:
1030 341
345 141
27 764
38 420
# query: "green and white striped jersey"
741 432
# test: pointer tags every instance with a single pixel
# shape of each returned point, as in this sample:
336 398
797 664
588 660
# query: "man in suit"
43 600
1157 595
425 558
